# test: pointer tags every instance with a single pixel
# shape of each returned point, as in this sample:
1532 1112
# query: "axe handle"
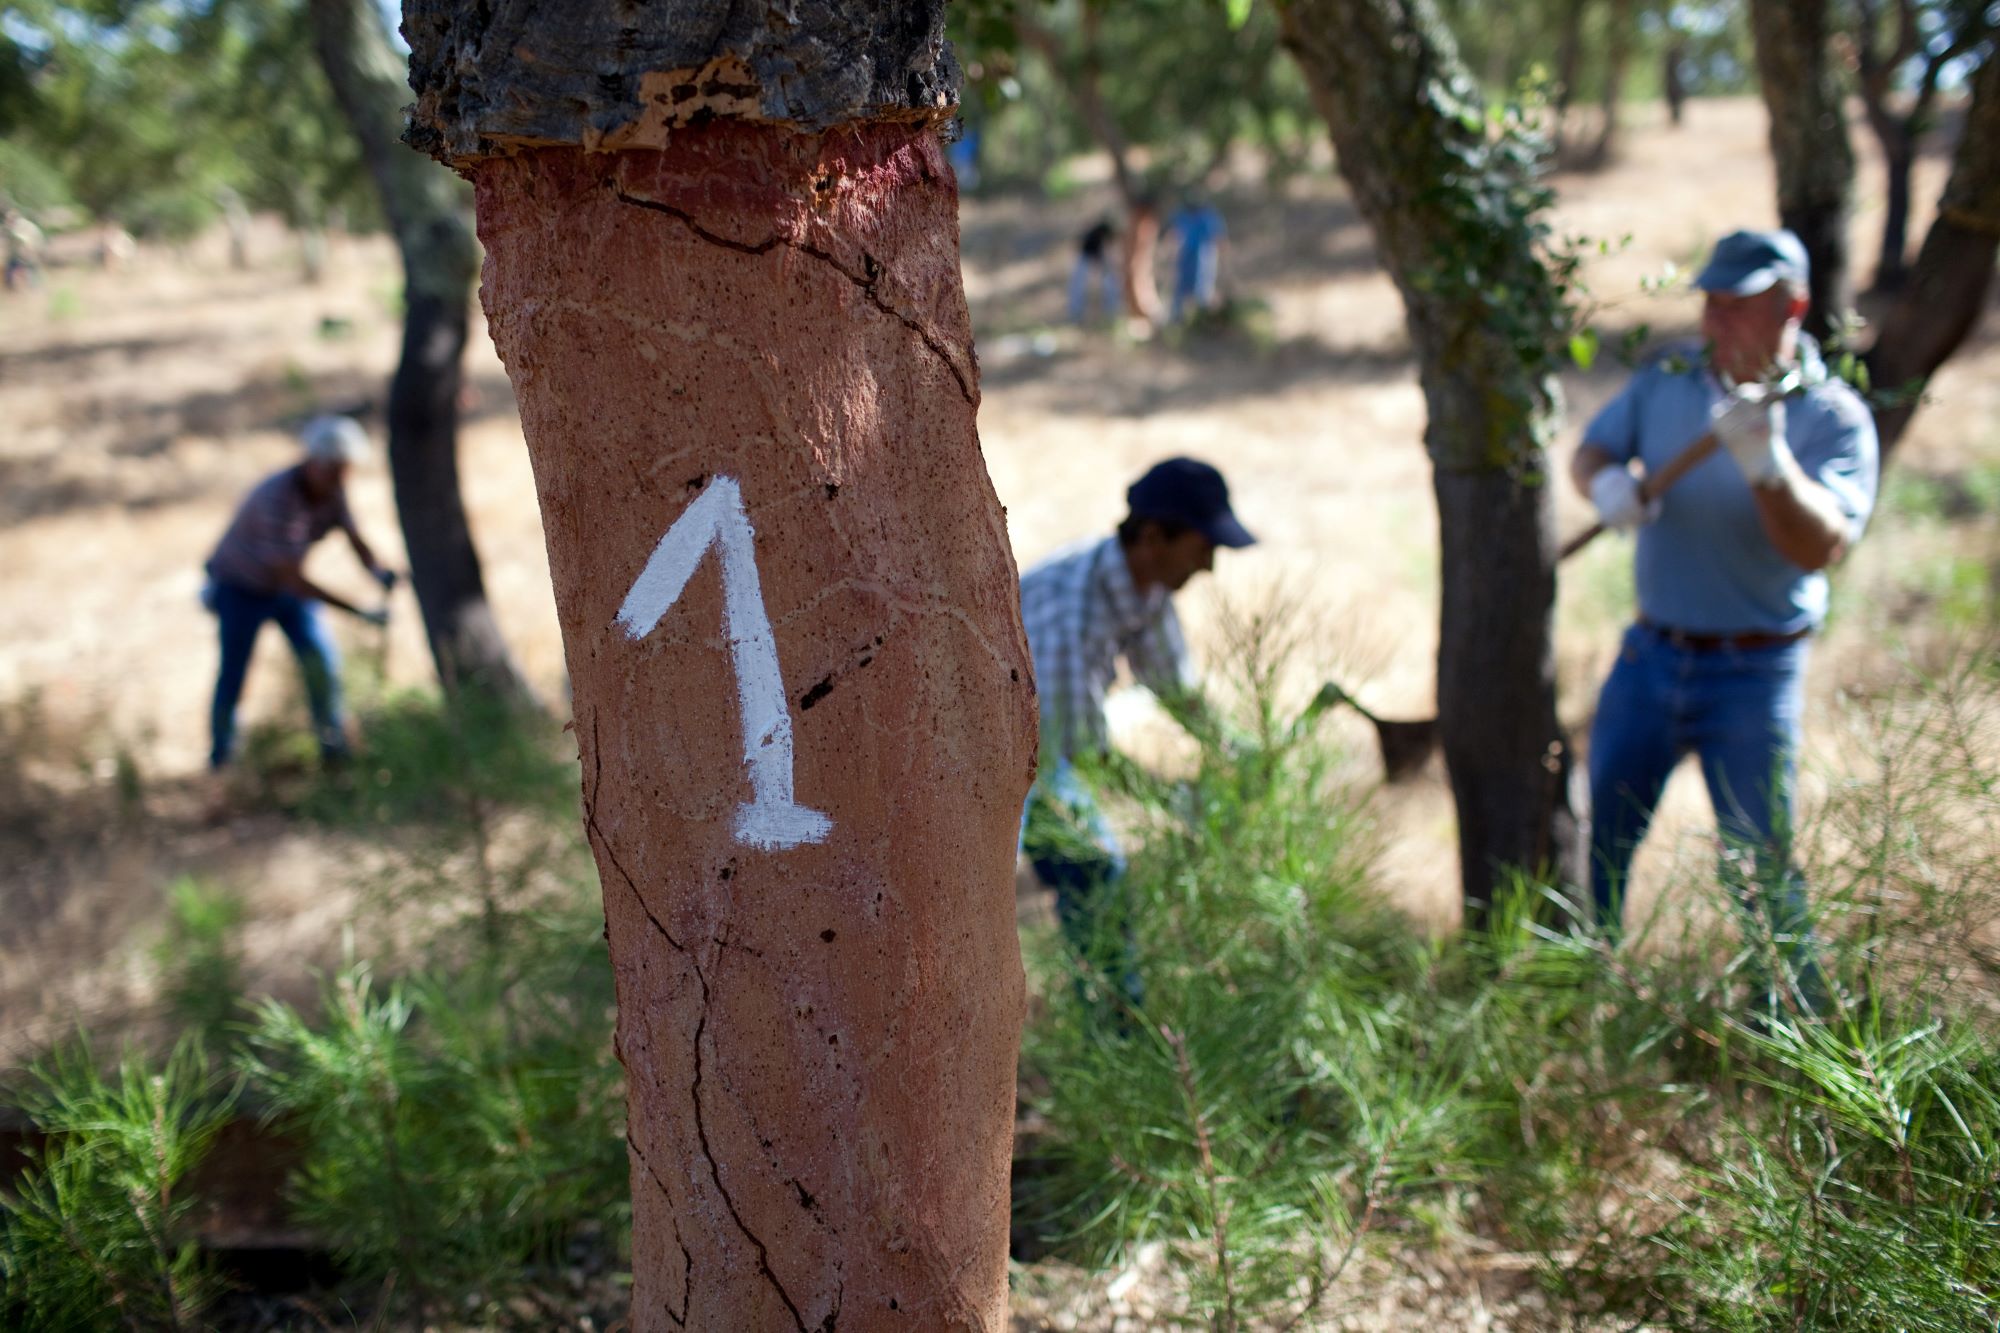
1654 485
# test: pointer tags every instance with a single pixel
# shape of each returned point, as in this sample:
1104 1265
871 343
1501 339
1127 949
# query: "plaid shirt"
1082 613
275 527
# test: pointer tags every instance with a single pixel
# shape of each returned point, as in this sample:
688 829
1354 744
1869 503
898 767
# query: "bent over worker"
257 574
1085 608
1731 578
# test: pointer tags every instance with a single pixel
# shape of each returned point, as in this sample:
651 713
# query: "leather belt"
1711 643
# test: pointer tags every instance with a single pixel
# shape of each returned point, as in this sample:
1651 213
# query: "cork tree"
1456 218
440 261
722 270
1810 145
1941 296
1945 290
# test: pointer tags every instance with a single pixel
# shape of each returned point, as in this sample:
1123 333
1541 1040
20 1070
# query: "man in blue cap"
1085 608
1731 579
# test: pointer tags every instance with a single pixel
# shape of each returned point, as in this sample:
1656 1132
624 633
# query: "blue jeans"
1739 711
239 614
1196 269
1075 853
1105 271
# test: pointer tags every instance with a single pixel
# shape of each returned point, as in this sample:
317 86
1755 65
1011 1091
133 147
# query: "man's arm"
292 579
1802 518
1585 464
365 554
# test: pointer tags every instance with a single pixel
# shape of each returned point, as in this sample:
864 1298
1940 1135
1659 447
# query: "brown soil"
139 405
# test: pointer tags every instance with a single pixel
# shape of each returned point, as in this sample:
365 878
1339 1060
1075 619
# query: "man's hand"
1620 506
378 617
1750 424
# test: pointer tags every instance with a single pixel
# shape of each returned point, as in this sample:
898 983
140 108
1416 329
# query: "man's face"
1183 557
324 476
1747 335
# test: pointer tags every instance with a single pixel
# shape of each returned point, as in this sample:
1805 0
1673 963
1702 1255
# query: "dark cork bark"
1945 291
1810 144
1405 121
518 73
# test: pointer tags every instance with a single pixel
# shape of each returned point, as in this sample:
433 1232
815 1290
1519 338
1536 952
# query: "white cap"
336 439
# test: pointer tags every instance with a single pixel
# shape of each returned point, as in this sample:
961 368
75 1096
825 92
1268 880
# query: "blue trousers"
1738 710
1196 270
239 614
1105 272
1074 852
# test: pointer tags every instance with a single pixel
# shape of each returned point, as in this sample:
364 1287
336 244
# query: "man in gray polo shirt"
257 574
1731 576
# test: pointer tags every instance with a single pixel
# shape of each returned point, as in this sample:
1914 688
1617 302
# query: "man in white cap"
1731 578
257 574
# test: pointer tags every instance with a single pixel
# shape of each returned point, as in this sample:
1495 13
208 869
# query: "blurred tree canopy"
1184 80
156 115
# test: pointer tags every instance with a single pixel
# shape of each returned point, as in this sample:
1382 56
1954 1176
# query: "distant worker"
257 574
1095 267
1731 580
25 243
1200 235
1086 607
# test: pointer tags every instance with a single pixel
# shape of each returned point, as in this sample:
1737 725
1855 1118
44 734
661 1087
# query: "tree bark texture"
1899 159
761 325
507 74
1810 144
1406 122
440 260
1945 292
1879 61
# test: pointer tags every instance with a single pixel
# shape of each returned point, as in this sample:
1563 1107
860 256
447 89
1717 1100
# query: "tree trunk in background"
1671 81
440 262
723 271
1810 144
1084 82
1406 124
1569 68
1899 158
1941 301
1617 56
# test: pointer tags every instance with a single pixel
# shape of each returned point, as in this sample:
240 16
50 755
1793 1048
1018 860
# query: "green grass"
96 1230
1303 1078
1306 1075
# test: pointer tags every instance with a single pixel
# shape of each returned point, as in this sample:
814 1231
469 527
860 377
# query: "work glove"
379 617
385 577
1750 424
1620 506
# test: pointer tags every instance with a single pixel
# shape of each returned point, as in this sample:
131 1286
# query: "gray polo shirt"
1705 564
274 527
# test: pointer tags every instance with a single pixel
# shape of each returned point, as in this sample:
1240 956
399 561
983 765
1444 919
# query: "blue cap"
1191 493
1748 262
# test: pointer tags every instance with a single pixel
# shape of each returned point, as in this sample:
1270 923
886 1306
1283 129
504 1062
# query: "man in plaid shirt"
1084 608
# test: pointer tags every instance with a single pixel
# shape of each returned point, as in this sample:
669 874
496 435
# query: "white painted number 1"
770 819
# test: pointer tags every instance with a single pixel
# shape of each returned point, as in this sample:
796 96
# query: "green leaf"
1583 348
1239 13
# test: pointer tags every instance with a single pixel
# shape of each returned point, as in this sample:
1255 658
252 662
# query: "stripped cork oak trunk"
722 270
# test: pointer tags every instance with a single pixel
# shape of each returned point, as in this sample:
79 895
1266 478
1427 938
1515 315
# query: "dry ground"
136 407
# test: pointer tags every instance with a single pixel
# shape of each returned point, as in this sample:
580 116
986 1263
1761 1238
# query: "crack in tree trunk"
866 281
